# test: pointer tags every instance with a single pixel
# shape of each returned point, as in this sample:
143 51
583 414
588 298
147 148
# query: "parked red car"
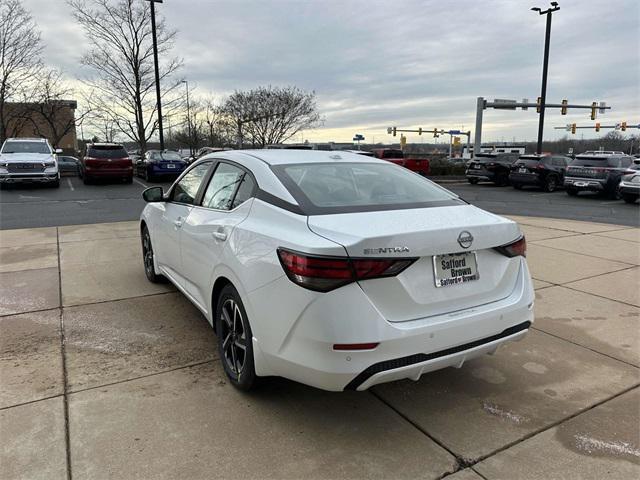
106 161
418 165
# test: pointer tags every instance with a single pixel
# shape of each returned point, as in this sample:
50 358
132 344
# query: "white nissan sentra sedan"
336 270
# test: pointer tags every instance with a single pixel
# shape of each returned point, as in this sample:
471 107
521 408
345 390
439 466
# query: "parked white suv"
29 160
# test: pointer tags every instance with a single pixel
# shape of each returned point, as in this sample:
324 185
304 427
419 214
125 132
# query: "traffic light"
456 140
420 131
594 107
394 131
538 104
435 133
598 127
403 142
563 110
573 128
623 126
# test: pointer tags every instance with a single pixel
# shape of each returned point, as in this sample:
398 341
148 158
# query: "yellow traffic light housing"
538 104
598 127
573 128
563 109
594 106
403 142
623 126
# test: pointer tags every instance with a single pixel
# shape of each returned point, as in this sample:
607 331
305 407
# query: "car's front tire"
551 183
235 347
629 198
472 181
148 258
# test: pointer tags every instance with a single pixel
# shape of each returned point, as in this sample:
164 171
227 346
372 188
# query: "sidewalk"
105 375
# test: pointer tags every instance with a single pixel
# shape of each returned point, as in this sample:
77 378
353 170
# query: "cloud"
377 63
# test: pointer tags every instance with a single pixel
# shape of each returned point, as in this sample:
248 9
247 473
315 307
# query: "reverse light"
513 249
325 273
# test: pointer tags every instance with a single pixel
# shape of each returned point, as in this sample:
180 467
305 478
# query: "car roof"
27 139
283 157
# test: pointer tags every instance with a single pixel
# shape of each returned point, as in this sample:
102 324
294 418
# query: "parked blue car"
156 164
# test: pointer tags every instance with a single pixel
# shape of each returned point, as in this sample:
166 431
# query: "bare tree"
270 115
52 114
20 63
121 57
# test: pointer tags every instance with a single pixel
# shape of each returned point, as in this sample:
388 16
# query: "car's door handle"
219 235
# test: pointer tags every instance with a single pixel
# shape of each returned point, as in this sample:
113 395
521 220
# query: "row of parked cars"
614 174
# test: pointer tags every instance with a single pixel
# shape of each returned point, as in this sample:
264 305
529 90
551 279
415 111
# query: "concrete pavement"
104 375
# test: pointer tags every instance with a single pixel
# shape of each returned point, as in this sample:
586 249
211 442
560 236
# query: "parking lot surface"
75 203
105 375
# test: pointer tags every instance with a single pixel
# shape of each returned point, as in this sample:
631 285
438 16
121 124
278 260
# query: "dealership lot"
107 375
75 203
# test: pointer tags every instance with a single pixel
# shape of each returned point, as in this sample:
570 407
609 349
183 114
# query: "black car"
596 172
629 187
68 165
545 171
494 167
157 164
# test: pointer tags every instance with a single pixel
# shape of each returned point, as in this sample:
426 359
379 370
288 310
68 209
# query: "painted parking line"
70 184
140 183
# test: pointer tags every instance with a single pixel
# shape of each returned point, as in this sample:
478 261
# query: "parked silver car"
24 160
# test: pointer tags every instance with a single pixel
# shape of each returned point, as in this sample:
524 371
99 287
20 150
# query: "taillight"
322 273
514 249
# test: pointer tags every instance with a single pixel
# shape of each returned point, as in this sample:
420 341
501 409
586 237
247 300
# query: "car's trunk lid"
423 233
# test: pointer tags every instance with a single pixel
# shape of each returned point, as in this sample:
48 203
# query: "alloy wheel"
234 344
147 252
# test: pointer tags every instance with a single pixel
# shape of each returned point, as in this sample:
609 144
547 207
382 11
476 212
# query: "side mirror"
58 150
153 194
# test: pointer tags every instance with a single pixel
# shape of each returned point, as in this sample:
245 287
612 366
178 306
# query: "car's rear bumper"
481 174
525 178
159 171
109 173
587 184
405 349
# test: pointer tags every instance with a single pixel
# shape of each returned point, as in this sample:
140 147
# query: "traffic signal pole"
545 70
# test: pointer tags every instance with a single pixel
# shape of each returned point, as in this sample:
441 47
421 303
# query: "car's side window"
245 191
222 187
186 190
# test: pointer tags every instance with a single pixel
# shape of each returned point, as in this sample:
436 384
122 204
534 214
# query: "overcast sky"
380 63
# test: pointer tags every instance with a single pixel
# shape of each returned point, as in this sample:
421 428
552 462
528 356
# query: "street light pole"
155 61
545 68
189 118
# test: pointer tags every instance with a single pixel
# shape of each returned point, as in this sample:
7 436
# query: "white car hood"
27 157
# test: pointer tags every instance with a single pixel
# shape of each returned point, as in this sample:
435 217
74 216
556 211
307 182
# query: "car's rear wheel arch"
218 285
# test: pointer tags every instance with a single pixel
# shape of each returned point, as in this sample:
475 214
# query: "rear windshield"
529 160
107 151
597 162
486 155
392 154
26 147
324 188
166 156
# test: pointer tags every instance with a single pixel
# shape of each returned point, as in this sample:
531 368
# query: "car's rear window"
590 161
107 151
26 147
173 156
323 188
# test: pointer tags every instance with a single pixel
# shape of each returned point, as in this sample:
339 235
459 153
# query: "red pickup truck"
418 165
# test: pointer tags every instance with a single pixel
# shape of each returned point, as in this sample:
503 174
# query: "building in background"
53 120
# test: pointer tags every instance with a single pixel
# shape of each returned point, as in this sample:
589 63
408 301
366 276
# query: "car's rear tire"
629 198
86 180
572 192
550 183
235 347
517 186
472 181
148 257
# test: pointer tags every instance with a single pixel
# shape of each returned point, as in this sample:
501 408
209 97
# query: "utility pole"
189 119
155 62
545 68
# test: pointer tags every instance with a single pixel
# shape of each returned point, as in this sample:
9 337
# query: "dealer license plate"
522 170
455 268
171 165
